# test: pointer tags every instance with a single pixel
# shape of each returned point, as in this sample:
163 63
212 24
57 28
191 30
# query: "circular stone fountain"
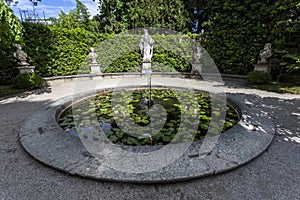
43 138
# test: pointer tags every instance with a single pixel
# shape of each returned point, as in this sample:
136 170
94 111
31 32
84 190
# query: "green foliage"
167 61
279 87
258 77
10 33
6 75
121 53
237 30
58 51
286 28
7 65
10 26
198 14
120 15
27 81
8 90
129 62
76 18
114 116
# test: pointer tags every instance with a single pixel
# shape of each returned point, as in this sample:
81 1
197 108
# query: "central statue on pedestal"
146 47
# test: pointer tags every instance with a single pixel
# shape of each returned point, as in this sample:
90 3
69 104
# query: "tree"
77 18
14 2
286 39
10 26
198 14
10 33
120 15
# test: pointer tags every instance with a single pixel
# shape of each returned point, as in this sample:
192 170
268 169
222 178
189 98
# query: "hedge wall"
57 51
121 53
237 30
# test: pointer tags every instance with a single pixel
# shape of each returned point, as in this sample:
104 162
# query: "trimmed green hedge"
27 81
57 51
7 65
237 30
121 53
258 77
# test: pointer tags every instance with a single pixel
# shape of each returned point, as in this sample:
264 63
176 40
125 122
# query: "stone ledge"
136 74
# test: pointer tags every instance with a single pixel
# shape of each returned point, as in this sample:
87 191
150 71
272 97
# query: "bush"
57 51
6 75
27 81
258 77
8 65
115 55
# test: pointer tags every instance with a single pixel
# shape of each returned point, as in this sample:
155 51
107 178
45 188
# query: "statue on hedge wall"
21 56
93 56
196 64
95 66
146 46
197 55
265 54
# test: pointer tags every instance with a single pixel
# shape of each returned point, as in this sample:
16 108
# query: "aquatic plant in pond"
108 115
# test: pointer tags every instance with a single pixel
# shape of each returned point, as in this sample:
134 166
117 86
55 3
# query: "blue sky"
52 8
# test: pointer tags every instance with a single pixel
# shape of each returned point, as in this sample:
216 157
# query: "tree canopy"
10 26
76 18
120 15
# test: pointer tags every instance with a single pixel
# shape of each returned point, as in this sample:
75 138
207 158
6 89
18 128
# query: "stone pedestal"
146 67
262 67
26 69
95 69
196 68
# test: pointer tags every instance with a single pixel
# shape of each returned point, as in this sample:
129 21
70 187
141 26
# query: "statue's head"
268 46
18 46
92 49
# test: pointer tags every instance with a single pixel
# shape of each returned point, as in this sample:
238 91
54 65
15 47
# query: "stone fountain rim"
43 139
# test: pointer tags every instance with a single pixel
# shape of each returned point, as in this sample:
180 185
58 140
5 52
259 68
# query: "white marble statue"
21 56
146 46
197 55
93 56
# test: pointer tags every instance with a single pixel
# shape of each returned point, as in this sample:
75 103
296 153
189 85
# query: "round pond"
130 156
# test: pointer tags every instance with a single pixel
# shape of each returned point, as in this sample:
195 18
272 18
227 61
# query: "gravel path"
273 175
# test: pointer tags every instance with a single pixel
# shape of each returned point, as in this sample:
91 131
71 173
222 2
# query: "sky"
52 8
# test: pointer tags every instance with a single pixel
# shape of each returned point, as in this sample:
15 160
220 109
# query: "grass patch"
279 87
6 90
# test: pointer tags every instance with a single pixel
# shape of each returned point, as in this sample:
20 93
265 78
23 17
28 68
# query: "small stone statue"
21 56
197 55
265 54
93 56
146 46
196 64
95 66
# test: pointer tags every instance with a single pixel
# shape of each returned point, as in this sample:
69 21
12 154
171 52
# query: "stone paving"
273 175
